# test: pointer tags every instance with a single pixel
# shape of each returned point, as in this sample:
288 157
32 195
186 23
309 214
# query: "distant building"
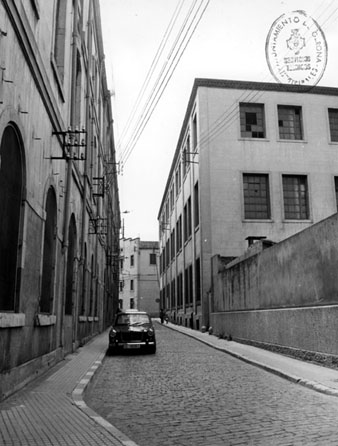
59 202
139 278
254 161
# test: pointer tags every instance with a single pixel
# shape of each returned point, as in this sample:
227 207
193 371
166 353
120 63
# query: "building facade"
59 217
254 161
139 278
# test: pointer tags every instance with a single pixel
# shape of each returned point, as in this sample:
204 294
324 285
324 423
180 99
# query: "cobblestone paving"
189 394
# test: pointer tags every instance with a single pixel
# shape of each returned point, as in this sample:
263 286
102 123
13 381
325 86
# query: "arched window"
70 265
11 187
48 266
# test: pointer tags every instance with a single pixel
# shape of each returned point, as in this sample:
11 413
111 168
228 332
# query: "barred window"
296 201
333 122
290 122
256 196
252 120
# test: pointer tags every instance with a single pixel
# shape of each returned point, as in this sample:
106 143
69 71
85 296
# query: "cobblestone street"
191 394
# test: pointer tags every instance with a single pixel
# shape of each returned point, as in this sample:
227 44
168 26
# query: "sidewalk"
319 378
51 410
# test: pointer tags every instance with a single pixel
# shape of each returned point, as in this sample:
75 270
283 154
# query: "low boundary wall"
284 298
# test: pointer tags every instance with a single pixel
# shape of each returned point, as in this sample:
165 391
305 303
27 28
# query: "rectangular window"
296 201
167 211
187 220
167 296
256 196
131 260
131 285
152 258
196 206
167 253
172 244
179 234
173 304
194 132
333 122
176 182
290 122
252 120
180 290
172 197
198 280
188 284
336 189
164 257
163 224
178 179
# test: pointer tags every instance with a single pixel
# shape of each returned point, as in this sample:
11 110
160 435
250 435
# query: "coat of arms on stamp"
296 49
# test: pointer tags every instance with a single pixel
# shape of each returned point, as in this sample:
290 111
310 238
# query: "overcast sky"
225 40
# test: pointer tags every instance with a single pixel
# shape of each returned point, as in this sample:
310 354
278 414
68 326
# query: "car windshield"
132 319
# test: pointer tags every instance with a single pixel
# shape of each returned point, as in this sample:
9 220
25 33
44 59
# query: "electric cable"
158 80
154 99
152 67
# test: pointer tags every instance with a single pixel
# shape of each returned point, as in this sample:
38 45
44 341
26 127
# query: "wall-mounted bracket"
73 144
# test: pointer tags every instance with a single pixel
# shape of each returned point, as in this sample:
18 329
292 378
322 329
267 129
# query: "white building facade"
253 161
139 277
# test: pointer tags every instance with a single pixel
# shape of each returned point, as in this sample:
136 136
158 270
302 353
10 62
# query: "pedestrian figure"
162 315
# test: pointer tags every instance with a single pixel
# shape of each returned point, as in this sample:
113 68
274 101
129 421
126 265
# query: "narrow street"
191 394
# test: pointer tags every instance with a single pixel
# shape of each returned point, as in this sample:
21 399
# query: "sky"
151 63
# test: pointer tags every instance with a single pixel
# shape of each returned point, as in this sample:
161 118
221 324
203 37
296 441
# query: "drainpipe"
65 244
86 161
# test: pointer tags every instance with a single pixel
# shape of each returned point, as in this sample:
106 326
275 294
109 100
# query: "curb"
293 378
77 397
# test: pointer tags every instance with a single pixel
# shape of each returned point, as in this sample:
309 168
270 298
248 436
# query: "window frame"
335 182
267 197
301 122
332 130
298 199
243 122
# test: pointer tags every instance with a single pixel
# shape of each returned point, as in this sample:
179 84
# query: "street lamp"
124 212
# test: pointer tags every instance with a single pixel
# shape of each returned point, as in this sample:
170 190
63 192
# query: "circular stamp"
296 49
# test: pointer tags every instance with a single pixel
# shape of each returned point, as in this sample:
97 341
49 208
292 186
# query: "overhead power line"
152 68
184 36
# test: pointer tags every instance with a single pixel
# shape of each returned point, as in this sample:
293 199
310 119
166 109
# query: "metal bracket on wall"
73 144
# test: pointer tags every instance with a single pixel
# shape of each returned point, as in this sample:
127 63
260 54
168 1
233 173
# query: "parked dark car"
132 329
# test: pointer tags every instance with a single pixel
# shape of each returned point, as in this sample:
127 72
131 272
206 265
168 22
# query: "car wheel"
111 351
152 349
